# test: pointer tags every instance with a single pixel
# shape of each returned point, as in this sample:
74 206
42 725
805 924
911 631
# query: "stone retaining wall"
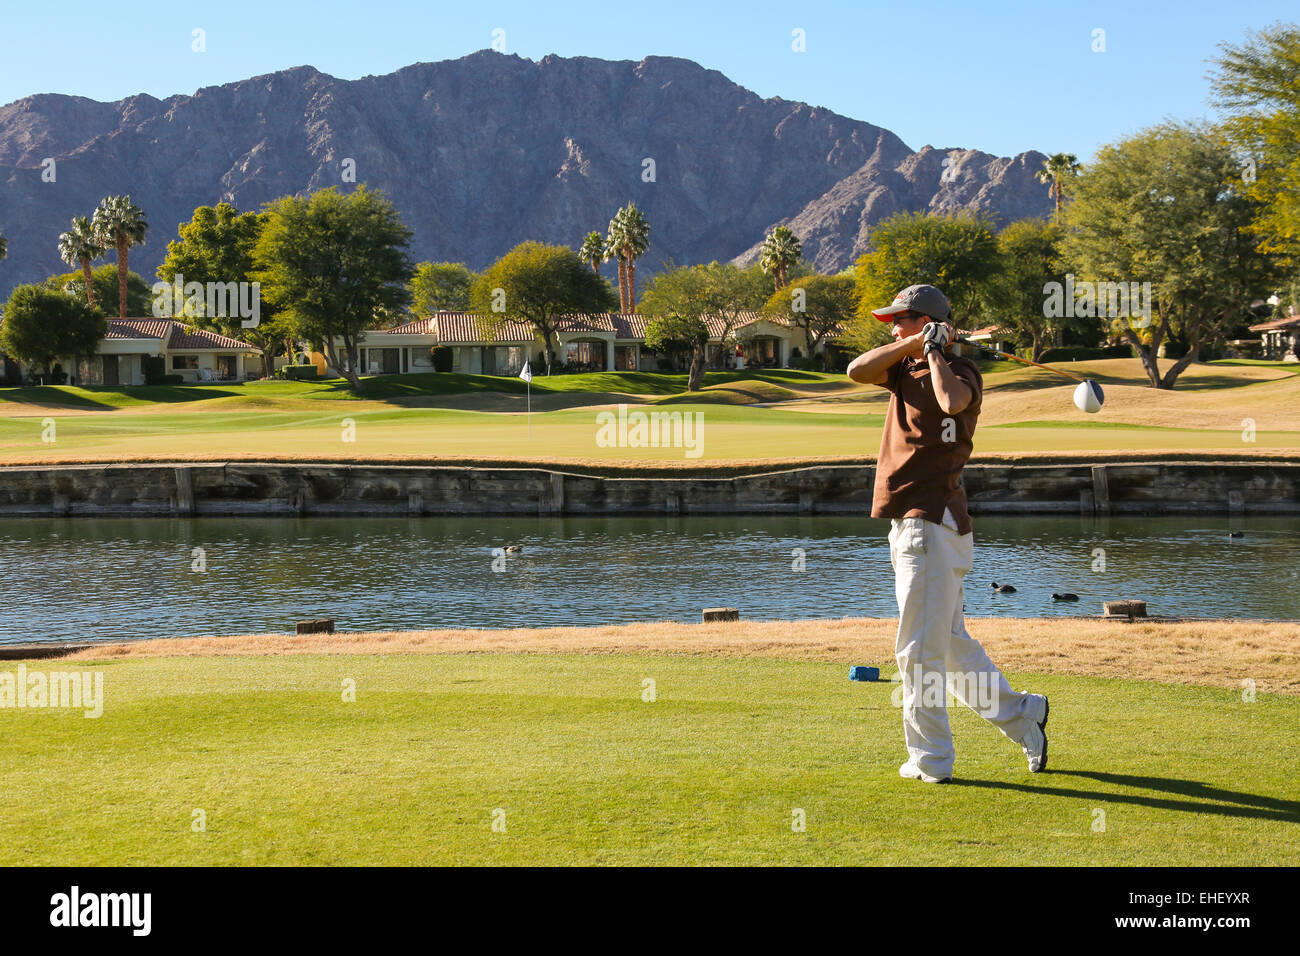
1256 487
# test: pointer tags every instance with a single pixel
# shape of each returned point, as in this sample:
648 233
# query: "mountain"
488 150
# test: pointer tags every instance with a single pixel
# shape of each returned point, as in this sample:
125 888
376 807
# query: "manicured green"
386 387
711 771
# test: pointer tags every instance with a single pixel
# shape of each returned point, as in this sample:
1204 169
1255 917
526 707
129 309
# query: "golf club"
1088 396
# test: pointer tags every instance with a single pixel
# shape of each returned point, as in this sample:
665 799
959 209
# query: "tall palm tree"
615 240
636 240
80 246
780 250
4 247
1057 168
120 224
593 250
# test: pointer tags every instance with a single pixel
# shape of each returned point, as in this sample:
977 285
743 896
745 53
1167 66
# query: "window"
585 356
184 362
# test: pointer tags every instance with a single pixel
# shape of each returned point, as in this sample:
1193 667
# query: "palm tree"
593 250
120 224
780 250
1057 168
614 242
4 247
636 240
80 246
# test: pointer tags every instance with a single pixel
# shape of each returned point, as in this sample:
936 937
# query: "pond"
123 578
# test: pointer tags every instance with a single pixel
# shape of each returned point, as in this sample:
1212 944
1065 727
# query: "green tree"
120 224
440 287
42 325
1057 170
957 254
328 261
218 245
683 298
4 248
79 247
1166 206
819 305
104 281
780 249
538 284
592 250
1257 84
1030 252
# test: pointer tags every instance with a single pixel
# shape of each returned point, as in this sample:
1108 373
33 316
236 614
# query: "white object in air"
1088 396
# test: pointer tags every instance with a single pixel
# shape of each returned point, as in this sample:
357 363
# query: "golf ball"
1088 396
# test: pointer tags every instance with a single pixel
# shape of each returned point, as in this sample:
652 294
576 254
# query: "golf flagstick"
526 374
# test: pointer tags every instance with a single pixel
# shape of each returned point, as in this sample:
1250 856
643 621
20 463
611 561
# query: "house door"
110 370
392 361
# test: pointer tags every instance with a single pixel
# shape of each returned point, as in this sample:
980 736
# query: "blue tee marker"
864 673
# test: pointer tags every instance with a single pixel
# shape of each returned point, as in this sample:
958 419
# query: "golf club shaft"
1017 358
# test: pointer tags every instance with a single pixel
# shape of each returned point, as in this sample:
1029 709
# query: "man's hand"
936 335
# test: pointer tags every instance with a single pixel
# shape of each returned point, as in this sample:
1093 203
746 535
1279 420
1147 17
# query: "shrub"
155 369
301 373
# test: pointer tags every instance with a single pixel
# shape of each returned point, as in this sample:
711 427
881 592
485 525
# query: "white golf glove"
935 336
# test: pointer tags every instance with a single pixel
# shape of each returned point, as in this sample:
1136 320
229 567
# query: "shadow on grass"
84 396
1248 804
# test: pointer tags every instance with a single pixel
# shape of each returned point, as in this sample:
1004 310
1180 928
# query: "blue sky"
1002 77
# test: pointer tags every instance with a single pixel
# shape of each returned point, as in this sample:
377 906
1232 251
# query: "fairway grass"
581 768
728 432
778 416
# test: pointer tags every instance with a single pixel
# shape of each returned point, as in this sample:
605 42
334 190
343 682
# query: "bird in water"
1067 596
1003 588
1235 534
514 548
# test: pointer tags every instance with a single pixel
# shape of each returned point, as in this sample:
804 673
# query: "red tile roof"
1285 323
202 339
177 336
418 327
138 328
455 328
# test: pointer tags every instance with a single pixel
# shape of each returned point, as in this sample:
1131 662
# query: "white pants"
934 651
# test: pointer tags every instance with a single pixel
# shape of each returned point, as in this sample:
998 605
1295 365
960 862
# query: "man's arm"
953 394
872 368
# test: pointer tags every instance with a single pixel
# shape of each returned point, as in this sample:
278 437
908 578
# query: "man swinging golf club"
935 399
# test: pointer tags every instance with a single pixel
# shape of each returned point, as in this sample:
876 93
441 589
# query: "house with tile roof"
197 355
585 342
1280 338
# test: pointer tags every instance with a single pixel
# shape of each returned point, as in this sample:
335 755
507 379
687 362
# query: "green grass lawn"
585 771
728 432
389 387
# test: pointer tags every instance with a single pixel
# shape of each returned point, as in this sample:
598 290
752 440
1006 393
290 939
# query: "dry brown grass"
1211 653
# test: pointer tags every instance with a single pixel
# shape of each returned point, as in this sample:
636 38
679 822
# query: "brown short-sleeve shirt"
922 450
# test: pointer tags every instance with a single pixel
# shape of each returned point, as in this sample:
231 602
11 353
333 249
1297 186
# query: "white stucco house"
586 342
196 355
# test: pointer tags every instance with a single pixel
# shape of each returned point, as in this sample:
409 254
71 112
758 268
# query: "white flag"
526 373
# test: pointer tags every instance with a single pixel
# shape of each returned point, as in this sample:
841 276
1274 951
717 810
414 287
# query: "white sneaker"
1034 743
910 771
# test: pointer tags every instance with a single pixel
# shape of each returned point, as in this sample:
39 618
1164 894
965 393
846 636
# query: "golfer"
934 402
